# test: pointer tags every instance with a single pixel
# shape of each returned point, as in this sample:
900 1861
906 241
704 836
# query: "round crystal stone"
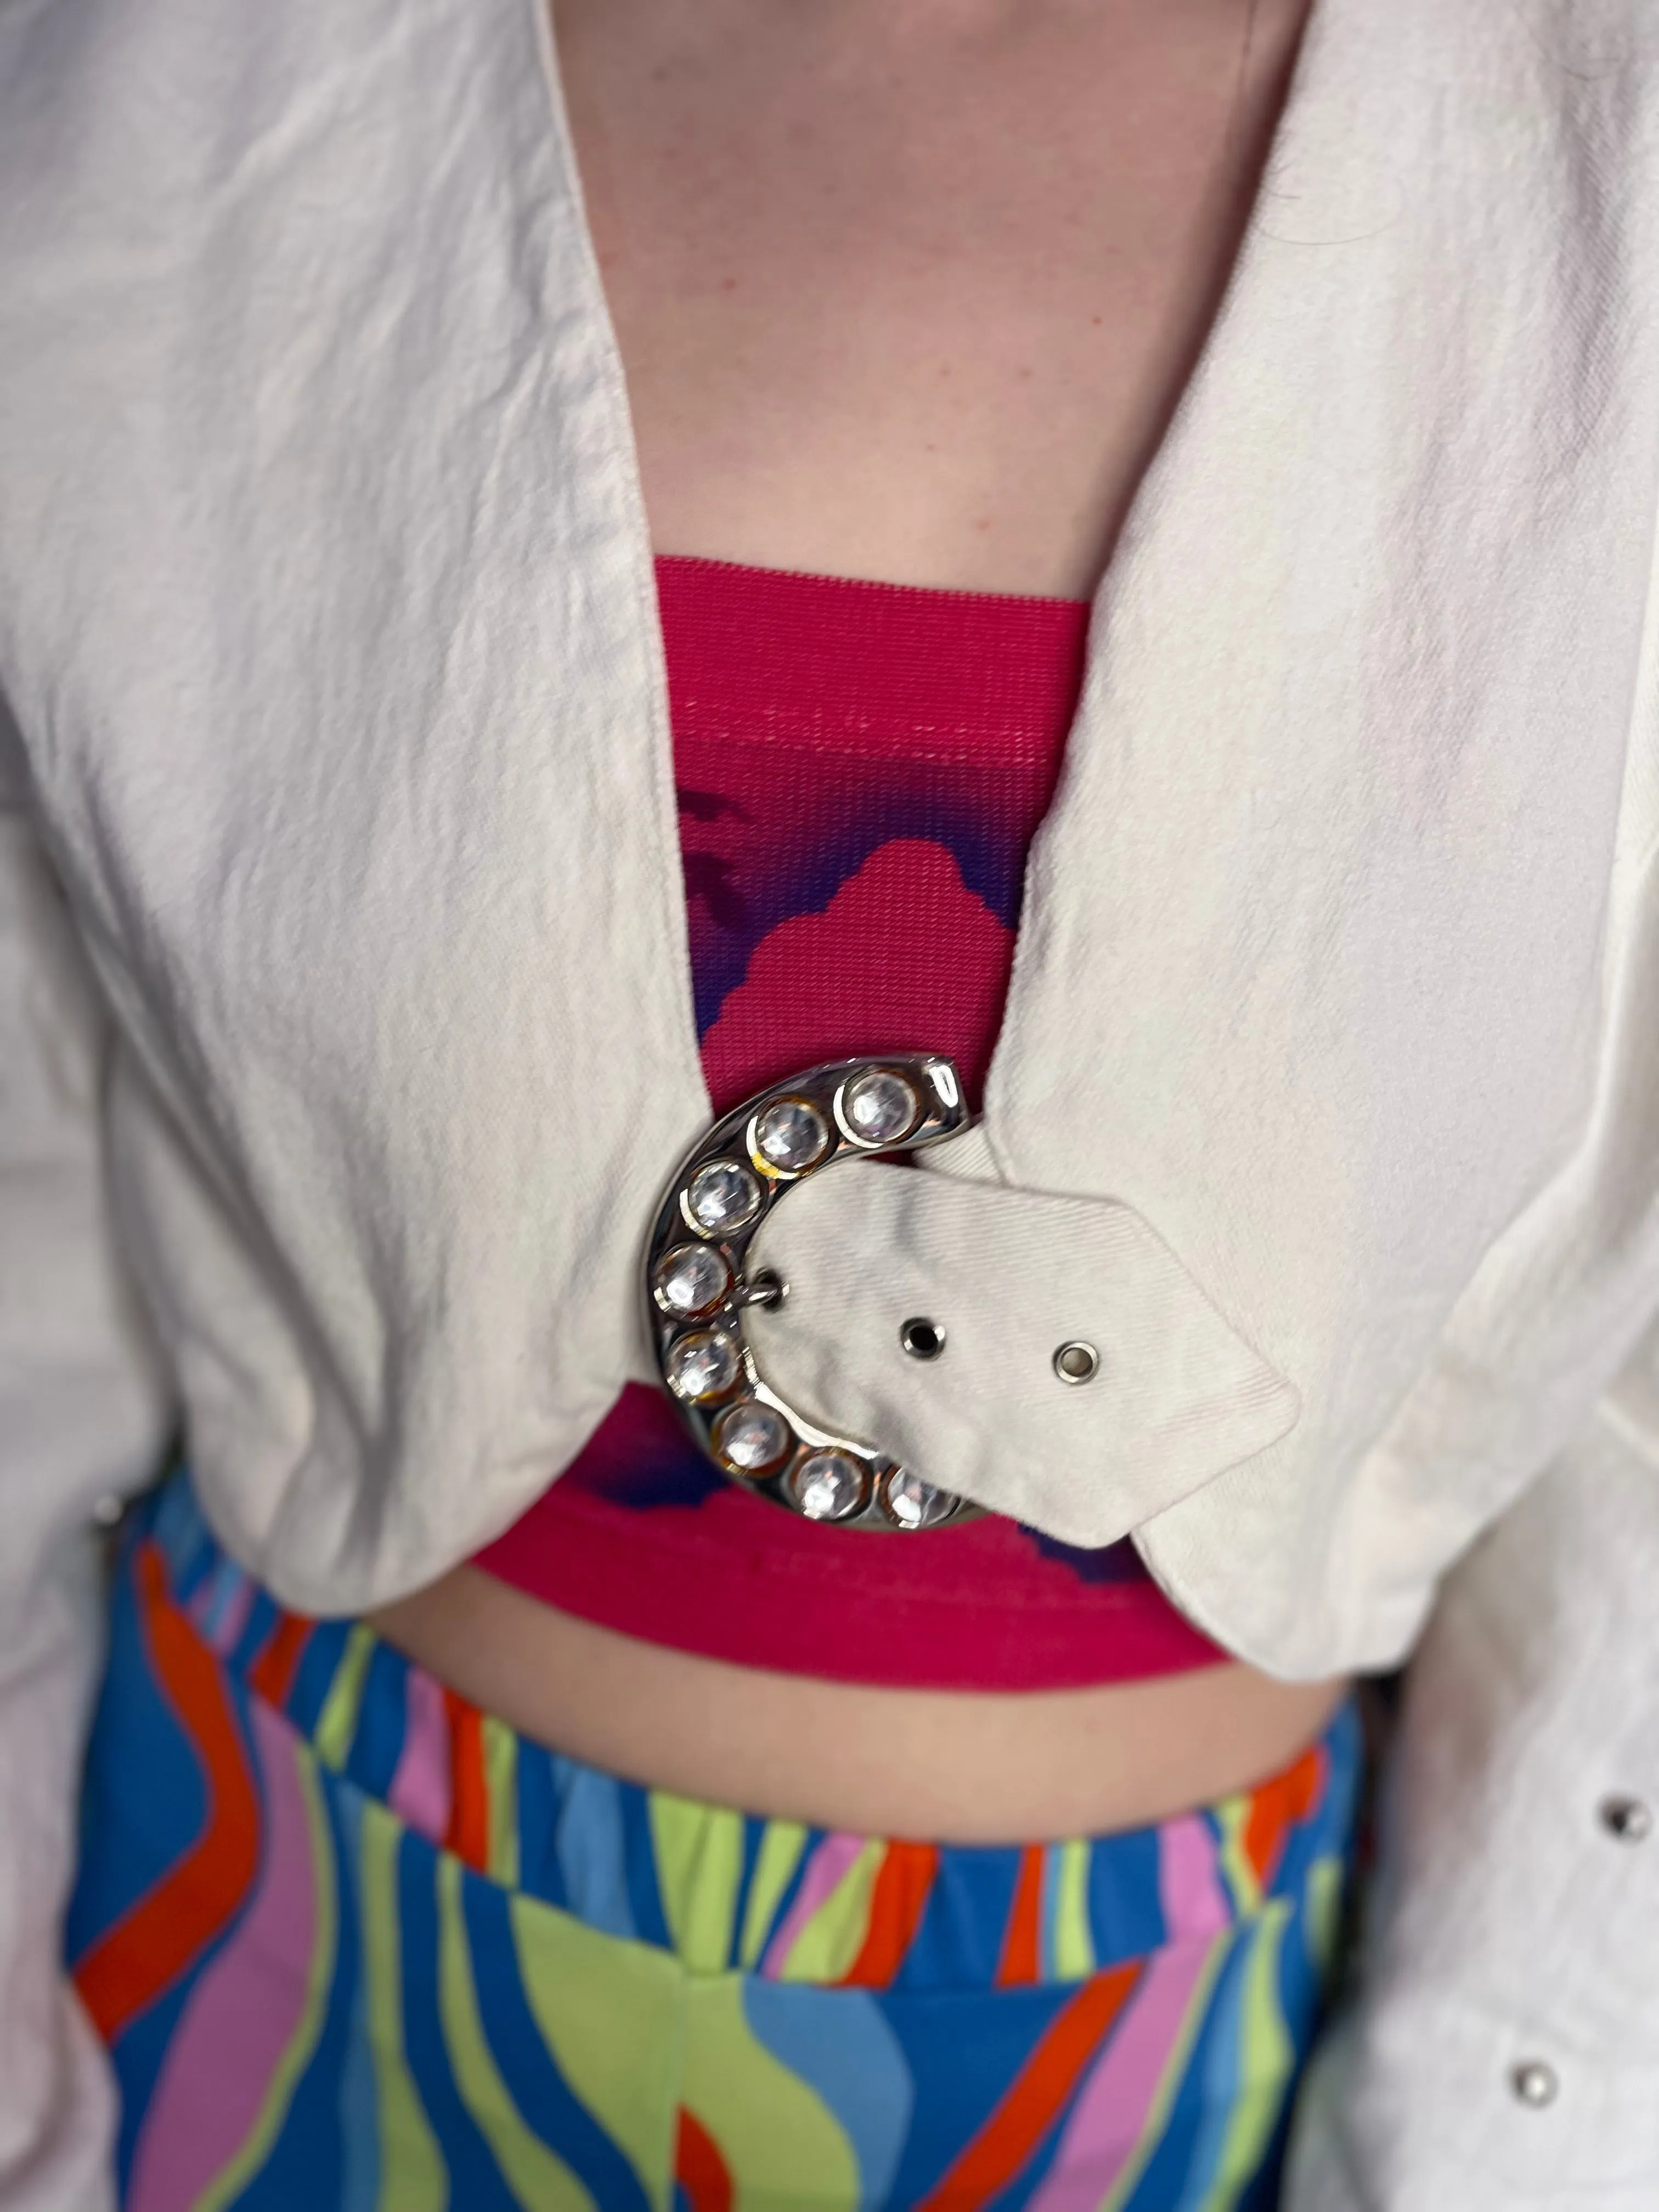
915 1503
752 1438
791 1134
723 1198
880 1107
826 1486
701 1365
691 1280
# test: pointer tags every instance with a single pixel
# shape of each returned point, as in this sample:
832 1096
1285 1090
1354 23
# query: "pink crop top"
861 770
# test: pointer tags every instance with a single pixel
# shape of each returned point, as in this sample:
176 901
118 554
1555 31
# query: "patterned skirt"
357 1947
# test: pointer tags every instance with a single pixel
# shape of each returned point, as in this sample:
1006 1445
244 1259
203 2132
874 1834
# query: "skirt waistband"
720 1888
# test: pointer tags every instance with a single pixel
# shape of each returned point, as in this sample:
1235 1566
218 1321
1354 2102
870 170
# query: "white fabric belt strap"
1010 1275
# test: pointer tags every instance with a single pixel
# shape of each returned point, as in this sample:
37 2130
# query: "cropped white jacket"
345 1009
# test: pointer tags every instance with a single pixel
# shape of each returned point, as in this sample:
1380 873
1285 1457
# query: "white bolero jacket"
344 1007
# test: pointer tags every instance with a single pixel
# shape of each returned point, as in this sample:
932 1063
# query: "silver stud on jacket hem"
1077 1362
1627 1818
1534 2083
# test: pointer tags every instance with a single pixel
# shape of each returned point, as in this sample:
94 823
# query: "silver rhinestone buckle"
698 1285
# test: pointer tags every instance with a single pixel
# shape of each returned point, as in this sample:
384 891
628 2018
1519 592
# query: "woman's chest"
911 294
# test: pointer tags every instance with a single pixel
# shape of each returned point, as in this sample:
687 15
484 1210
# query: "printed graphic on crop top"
861 770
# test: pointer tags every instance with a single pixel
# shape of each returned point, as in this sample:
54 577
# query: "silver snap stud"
752 1438
701 1365
690 1280
790 1136
1627 1818
1077 1362
107 1511
826 1485
879 1106
722 1198
763 1287
922 1338
910 1503
1534 2083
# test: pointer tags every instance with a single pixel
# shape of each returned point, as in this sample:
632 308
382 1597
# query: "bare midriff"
950 1765
905 291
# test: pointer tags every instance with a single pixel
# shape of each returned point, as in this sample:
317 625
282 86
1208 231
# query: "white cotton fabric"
1511 1926
327 622
1010 1276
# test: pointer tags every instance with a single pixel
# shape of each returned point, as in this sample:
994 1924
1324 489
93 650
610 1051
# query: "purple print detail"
1110 1563
642 1457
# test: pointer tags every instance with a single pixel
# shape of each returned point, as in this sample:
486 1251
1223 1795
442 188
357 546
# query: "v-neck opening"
1201 366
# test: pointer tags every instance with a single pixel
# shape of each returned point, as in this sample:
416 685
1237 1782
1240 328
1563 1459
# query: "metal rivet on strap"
1077 1362
1534 2083
1627 1818
922 1338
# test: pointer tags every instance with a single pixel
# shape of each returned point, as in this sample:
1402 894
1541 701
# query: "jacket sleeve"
1502 2050
82 1415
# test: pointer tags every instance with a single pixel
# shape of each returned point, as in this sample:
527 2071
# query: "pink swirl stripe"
245 2011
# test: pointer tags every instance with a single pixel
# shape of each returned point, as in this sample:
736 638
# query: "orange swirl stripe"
163 1931
897 1905
1034 2099
700 2169
468 1832
1021 1962
1276 1806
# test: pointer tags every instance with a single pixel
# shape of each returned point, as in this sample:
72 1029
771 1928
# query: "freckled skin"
813 217
909 289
